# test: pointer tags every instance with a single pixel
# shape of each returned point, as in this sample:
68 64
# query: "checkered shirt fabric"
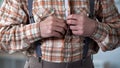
17 35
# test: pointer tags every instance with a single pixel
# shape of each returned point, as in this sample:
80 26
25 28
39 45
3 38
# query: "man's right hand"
53 27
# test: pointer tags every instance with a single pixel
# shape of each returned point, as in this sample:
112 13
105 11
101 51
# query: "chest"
61 7
61 4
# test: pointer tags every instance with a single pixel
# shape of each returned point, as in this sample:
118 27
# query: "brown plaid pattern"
17 35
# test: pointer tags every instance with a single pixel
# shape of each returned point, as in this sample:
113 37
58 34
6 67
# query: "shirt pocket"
42 13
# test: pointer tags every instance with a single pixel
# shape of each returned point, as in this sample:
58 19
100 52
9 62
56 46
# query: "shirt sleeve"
15 33
107 34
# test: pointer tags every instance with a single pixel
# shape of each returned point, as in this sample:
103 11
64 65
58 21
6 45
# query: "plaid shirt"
17 35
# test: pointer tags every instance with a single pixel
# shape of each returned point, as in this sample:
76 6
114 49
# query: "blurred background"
110 59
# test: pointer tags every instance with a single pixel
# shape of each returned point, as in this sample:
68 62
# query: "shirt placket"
67 47
67 7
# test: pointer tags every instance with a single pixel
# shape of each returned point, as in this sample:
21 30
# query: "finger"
64 27
60 30
72 17
61 23
75 32
60 20
73 28
57 34
71 22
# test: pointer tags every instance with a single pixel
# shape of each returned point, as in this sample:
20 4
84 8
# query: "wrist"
95 27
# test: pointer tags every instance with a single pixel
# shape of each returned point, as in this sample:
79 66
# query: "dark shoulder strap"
91 2
87 39
31 19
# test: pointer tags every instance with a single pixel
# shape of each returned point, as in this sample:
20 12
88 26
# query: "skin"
80 25
53 27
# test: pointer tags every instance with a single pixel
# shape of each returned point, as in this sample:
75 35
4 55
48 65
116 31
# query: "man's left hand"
81 24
